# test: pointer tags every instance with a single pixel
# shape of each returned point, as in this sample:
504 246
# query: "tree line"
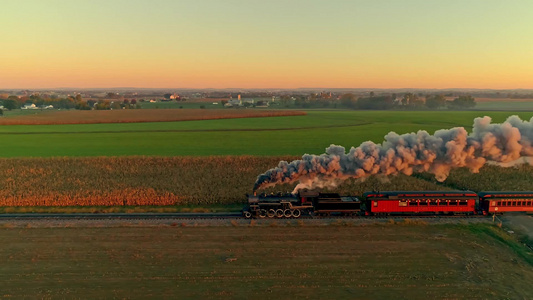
408 101
70 102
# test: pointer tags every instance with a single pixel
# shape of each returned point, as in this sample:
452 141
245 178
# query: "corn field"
112 181
493 178
139 181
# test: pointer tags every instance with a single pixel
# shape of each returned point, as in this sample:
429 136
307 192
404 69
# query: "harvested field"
201 181
504 100
138 115
485 99
335 262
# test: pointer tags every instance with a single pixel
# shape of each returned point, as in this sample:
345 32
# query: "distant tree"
223 102
82 105
379 103
133 101
1 112
18 101
33 98
10 104
167 96
115 105
462 102
372 94
112 96
101 105
435 101
78 98
38 101
91 103
126 104
407 98
348 100
416 103
285 99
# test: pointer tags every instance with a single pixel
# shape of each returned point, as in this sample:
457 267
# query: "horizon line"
257 88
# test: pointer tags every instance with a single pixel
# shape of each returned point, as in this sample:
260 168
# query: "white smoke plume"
506 144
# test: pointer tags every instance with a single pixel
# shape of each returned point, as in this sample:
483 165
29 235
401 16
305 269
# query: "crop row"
108 181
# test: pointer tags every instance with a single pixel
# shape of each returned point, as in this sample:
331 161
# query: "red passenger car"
421 202
501 202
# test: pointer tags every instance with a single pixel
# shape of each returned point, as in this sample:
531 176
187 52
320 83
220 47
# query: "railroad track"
196 216
118 216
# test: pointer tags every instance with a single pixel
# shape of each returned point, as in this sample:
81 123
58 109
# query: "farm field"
188 183
501 104
400 261
506 100
56 117
512 105
294 135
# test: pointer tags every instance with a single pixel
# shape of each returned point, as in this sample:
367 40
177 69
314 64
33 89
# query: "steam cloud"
506 144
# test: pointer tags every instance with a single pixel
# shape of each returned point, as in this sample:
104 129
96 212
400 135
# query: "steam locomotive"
387 203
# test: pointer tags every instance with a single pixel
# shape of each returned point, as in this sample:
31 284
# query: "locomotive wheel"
287 213
296 213
279 213
262 213
247 214
271 213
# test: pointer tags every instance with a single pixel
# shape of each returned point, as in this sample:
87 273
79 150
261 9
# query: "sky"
266 44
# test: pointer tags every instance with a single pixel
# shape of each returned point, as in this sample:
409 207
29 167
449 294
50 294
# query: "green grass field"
390 261
253 136
497 105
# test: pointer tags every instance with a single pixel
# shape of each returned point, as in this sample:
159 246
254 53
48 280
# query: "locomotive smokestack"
504 144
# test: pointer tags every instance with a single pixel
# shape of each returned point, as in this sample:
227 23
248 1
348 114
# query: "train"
387 203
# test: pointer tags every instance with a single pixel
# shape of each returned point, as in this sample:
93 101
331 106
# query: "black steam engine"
304 203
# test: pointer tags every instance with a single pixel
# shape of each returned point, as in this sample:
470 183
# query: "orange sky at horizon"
252 44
